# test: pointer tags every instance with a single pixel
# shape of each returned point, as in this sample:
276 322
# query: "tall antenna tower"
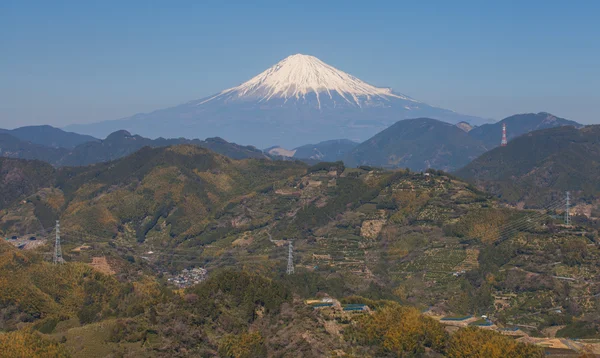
504 141
58 259
290 265
567 213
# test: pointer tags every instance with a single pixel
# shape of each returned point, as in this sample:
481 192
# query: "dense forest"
539 166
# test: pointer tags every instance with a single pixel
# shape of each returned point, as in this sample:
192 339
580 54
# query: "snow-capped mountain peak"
299 100
299 76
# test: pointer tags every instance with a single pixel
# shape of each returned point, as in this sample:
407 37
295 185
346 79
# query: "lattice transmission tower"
290 265
567 209
58 259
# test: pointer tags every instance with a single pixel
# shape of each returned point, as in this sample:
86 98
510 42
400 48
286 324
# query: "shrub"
476 342
245 345
29 344
399 330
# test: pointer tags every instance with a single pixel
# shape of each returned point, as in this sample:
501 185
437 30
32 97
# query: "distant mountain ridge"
13 147
424 143
49 136
299 100
539 165
517 125
115 146
418 144
123 143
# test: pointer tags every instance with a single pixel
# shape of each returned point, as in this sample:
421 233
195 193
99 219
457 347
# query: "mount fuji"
299 100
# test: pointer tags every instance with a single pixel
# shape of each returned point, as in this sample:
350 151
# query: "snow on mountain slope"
298 75
299 100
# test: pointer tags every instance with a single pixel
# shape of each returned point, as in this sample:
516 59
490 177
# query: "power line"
356 253
523 222
549 207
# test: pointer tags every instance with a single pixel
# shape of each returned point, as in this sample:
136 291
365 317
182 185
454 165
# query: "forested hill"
425 240
490 134
123 143
232 314
49 136
182 182
541 164
117 145
418 144
21 178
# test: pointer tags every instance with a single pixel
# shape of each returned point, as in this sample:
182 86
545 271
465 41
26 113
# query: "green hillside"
59 148
21 178
362 235
539 166
491 134
71 310
418 144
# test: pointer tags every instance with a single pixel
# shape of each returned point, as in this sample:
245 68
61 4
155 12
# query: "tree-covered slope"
491 134
182 184
49 136
540 164
122 143
72 310
426 240
13 147
115 146
21 178
417 144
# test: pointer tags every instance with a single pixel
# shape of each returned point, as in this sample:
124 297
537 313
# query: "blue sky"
65 62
